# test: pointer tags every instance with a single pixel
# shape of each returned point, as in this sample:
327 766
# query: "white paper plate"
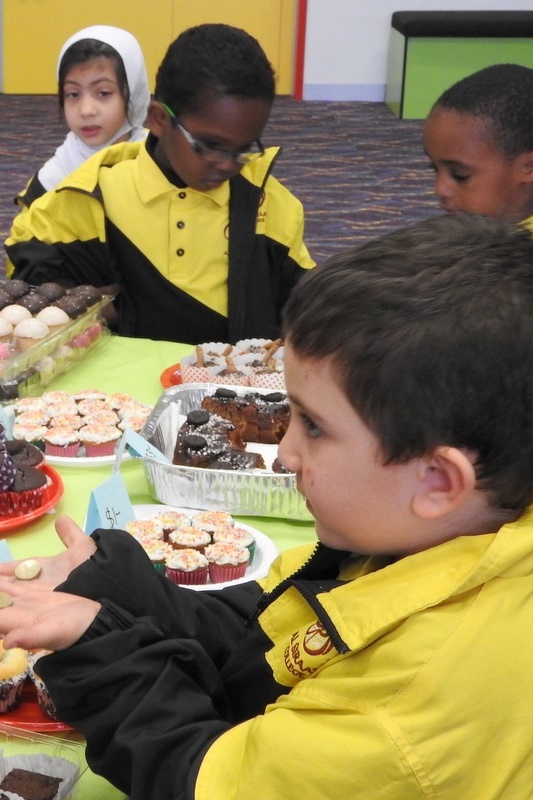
265 549
85 461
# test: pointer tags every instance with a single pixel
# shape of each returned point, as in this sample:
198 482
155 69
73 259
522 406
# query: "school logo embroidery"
303 656
316 640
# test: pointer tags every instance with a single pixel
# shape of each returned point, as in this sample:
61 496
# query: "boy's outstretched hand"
32 615
42 618
53 569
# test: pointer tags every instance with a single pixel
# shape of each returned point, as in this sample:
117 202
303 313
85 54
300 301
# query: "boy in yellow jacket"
394 659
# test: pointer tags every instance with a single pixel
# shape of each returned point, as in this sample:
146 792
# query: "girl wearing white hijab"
104 96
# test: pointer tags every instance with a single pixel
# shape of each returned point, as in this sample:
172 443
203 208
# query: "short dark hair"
430 330
85 50
502 95
217 59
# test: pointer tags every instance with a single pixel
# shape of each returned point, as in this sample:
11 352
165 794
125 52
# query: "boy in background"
479 138
393 658
190 228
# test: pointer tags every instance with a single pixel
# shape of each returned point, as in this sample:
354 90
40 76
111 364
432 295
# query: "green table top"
133 366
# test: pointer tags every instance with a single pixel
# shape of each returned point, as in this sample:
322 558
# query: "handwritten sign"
109 505
139 447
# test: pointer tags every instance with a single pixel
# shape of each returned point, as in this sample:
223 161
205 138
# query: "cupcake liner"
65 450
93 450
15 504
222 376
194 578
7 470
219 573
268 380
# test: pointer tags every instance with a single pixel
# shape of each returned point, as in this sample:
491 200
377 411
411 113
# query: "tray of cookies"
221 445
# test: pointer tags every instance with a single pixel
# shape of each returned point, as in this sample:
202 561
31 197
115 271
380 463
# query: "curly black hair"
217 59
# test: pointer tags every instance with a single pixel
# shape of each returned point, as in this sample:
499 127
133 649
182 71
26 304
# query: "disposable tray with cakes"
76 428
249 362
42 337
37 765
248 482
182 543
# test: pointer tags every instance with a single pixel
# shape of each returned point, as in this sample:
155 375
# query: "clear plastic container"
45 754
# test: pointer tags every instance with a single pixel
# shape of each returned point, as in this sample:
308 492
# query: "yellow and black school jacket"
191 266
336 676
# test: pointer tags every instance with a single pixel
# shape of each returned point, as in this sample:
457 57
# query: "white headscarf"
74 151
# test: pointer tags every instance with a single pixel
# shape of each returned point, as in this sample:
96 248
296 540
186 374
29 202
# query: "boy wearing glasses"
189 228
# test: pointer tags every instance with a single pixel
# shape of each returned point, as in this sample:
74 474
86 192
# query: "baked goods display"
203 547
249 362
215 435
44 330
88 423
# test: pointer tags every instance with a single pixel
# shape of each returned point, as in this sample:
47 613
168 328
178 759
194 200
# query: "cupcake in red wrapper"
62 440
99 440
236 535
227 561
189 567
25 494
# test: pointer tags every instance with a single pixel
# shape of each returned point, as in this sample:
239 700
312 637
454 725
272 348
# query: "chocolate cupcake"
15 288
73 305
26 493
52 291
24 454
90 294
33 301
5 299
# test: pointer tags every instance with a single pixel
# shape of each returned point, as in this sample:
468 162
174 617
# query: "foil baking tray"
251 492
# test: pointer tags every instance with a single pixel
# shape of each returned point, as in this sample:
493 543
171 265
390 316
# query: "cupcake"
211 520
45 702
157 551
29 332
51 290
26 493
62 440
236 535
24 454
99 440
54 317
13 673
15 314
171 521
188 567
31 432
144 529
227 561
189 538
33 301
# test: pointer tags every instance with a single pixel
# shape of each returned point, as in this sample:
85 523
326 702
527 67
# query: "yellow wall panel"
34 30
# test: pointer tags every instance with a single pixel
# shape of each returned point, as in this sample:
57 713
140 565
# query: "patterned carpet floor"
358 170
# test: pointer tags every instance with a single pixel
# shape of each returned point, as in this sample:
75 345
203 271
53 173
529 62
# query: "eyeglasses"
212 152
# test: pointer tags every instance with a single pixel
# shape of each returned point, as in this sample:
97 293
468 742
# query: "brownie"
30 785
